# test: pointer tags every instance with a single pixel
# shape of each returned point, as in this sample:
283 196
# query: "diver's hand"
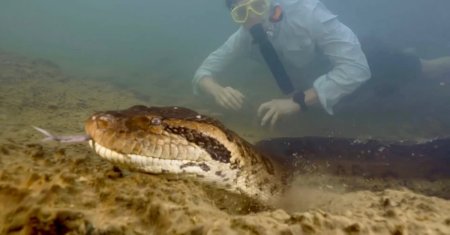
226 97
229 98
275 109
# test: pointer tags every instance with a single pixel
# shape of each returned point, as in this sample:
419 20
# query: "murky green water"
149 46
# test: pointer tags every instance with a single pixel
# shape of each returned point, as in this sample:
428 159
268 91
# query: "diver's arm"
225 96
237 45
350 68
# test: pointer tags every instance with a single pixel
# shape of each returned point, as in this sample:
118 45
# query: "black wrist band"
299 98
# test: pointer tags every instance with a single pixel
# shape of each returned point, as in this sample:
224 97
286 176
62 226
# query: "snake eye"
156 121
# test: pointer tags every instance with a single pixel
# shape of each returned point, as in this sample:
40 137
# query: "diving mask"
240 12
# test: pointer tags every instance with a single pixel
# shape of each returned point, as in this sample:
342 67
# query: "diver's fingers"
237 104
227 103
262 108
234 97
233 103
267 116
222 103
223 100
238 94
274 119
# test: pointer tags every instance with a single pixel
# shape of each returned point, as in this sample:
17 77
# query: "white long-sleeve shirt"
306 24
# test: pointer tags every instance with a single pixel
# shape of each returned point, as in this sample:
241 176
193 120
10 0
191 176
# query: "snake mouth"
148 164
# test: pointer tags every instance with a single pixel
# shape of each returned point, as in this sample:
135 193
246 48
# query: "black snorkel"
271 58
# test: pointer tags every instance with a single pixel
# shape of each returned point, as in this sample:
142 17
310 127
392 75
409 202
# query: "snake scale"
180 141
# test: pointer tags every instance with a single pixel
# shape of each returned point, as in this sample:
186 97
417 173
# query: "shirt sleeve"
349 64
234 47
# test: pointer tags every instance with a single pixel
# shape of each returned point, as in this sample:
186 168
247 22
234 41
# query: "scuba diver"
293 33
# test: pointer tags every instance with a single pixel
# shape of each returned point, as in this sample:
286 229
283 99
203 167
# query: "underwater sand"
49 188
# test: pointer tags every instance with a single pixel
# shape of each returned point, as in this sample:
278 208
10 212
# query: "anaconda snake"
177 140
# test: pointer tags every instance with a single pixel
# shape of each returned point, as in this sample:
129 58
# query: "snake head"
169 133
177 140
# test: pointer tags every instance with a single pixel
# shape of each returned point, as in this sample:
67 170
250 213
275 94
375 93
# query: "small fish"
64 138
